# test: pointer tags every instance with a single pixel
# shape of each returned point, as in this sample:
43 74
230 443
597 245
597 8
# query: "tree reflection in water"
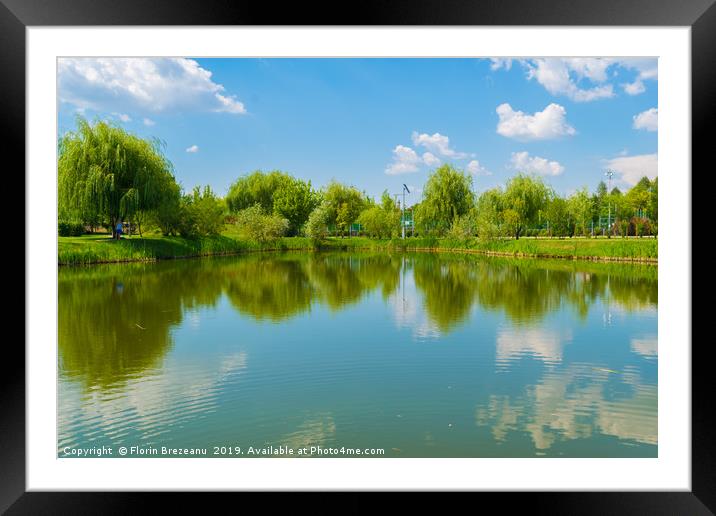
524 362
116 321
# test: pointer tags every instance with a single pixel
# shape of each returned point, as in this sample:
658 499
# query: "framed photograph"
419 249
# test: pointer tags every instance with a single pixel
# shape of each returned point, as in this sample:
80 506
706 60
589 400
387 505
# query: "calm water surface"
422 355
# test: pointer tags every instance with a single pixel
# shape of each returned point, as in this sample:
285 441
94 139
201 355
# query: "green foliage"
201 213
557 216
446 196
380 222
106 175
387 202
601 190
525 197
317 225
599 202
653 210
257 225
256 188
168 213
89 249
579 206
513 222
65 228
488 216
343 204
294 201
276 192
464 226
639 199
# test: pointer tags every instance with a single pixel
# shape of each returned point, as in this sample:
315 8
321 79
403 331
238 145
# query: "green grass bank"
90 249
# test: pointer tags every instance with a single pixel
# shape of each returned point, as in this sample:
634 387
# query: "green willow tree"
654 201
381 220
276 192
167 216
295 201
525 196
447 195
556 214
579 206
343 204
256 188
202 213
489 209
107 174
317 224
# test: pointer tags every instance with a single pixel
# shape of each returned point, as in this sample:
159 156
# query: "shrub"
487 227
379 222
257 225
317 226
463 227
201 213
67 228
639 226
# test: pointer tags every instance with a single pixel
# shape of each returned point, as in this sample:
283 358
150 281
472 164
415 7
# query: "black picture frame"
700 15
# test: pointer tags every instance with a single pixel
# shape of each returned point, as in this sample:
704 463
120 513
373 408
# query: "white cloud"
193 148
430 159
476 169
633 168
634 88
229 104
148 122
405 161
543 125
554 75
123 117
647 120
500 63
592 68
584 79
142 84
647 68
523 162
437 144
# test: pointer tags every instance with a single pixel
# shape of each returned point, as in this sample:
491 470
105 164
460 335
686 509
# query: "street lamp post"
609 173
402 218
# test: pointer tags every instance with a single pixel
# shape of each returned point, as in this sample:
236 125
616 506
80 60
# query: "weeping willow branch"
106 175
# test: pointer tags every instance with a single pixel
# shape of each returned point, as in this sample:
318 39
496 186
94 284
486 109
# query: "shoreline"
231 246
507 254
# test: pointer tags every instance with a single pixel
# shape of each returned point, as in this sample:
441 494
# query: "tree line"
107 176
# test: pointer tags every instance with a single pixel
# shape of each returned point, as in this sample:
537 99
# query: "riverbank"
92 249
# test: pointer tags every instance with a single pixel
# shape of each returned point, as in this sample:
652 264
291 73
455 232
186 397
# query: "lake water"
417 354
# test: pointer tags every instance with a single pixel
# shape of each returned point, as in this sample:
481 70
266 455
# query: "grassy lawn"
102 249
604 248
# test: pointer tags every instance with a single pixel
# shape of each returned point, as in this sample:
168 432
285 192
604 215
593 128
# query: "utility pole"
402 218
609 173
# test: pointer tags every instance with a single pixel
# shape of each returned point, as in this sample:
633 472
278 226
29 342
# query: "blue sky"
379 123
